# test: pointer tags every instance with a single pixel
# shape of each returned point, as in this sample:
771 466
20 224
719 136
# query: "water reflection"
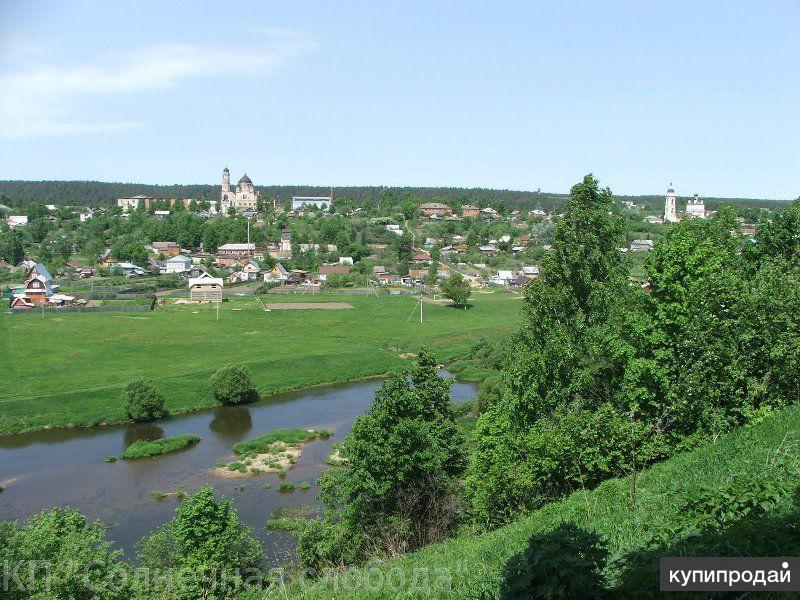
231 422
142 431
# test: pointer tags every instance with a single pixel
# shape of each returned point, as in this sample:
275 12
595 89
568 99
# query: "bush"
564 563
286 486
143 402
324 433
233 385
305 485
265 443
142 448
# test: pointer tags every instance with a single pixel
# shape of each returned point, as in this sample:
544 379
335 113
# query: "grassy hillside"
636 535
69 368
101 192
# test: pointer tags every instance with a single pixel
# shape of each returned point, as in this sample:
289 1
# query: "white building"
178 264
670 212
16 221
238 249
696 208
323 203
242 197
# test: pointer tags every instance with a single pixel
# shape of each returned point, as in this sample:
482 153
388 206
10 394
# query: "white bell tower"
670 213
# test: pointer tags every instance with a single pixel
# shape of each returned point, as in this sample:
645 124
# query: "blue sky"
518 95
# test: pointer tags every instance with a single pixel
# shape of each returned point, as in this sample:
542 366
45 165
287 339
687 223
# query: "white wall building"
242 197
321 202
696 208
178 264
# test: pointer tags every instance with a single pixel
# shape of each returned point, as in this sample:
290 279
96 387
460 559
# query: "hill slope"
474 566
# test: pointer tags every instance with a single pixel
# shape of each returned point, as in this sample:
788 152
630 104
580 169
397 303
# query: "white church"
695 208
243 197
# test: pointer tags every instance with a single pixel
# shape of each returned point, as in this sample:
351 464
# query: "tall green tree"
206 550
397 492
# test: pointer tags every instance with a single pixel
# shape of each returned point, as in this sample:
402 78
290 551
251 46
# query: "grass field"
636 535
68 369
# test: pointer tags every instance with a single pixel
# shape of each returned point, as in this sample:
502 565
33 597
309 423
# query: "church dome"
225 170
245 179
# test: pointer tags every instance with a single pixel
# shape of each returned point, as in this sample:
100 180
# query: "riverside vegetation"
622 425
90 357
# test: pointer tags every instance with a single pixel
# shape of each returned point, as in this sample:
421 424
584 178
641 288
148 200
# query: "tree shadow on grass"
564 563
773 534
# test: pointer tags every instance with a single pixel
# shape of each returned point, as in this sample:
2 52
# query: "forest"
97 193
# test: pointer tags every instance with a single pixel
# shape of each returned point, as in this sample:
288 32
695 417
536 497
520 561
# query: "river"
66 467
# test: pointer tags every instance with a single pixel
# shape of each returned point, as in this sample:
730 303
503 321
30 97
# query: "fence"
83 309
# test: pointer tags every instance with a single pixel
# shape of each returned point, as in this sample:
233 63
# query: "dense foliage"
604 378
457 289
397 492
204 551
143 401
233 385
58 555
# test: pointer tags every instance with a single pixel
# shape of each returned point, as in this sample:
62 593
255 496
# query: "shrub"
142 448
266 443
286 486
143 402
564 563
233 385
324 433
204 537
305 485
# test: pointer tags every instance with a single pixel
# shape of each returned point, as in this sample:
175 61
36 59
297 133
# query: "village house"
421 257
532 271
179 264
641 245
249 271
86 214
278 273
326 270
469 210
241 250
503 278
205 288
435 209
15 221
38 289
489 214
166 248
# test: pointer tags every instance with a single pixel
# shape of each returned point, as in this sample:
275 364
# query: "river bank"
67 466
68 370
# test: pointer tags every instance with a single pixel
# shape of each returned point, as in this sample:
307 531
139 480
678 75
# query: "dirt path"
307 305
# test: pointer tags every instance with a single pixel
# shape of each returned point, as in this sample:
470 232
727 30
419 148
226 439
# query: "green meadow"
68 369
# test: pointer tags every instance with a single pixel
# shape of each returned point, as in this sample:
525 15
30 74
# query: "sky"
513 95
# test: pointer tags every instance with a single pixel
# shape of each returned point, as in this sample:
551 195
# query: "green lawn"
62 369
